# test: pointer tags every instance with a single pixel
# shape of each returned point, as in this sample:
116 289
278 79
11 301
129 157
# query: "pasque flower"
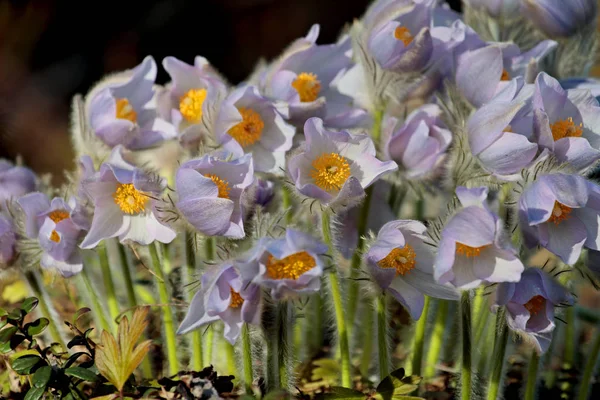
560 212
124 198
530 305
124 112
474 248
566 122
335 167
402 264
8 240
558 18
287 267
210 191
260 130
193 100
15 181
58 226
224 296
305 79
419 143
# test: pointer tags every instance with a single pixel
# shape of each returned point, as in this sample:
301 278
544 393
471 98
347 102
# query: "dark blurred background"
53 49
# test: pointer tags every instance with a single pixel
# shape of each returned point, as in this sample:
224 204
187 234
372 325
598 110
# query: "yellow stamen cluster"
330 171
505 75
125 110
535 304
222 186
290 267
566 128
190 104
560 212
236 300
248 132
468 251
403 33
308 86
129 199
56 216
402 259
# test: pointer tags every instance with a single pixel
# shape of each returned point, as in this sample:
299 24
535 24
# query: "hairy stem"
127 275
532 372
465 318
437 338
590 366
499 353
98 307
367 340
419 339
247 358
382 337
109 285
190 270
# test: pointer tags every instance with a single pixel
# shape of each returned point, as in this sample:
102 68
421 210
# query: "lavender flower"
530 305
265 191
194 99
260 130
402 264
419 143
288 267
473 248
8 240
224 296
210 193
15 181
483 72
560 212
124 200
566 122
557 18
124 113
404 42
58 227
335 167
305 78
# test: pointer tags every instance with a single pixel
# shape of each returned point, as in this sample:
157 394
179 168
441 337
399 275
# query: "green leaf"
35 393
42 377
29 304
81 373
7 333
396 385
15 316
26 365
74 358
80 313
3 321
36 327
3 312
342 393
277 395
326 370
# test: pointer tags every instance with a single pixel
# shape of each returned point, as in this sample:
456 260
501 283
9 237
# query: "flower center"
469 251
236 300
56 216
403 33
248 131
290 267
505 75
190 104
125 110
560 212
403 260
330 171
129 199
535 304
222 186
566 128
308 86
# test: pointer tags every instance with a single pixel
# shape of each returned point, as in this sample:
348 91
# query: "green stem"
570 337
420 208
96 303
465 318
590 366
45 303
127 275
165 300
340 318
283 323
247 358
532 372
382 337
190 261
229 351
419 339
437 338
315 329
499 354
208 345
367 340
109 285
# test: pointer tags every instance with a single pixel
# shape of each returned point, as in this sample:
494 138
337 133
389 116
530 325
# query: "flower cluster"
437 159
